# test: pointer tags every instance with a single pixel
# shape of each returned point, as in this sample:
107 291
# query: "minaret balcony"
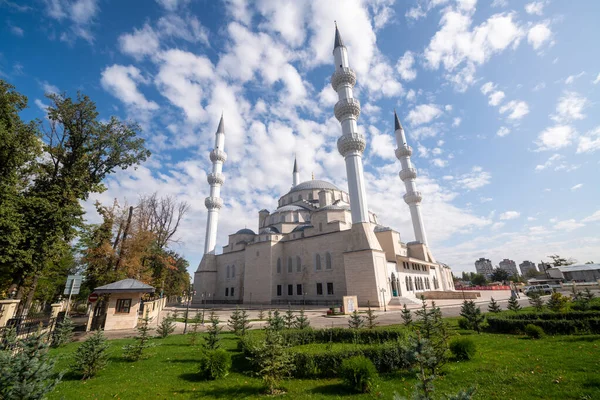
343 76
347 144
413 197
408 174
213 203
347 108
404 151
215 178
218 155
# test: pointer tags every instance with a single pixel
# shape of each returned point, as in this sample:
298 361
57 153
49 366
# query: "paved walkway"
317 315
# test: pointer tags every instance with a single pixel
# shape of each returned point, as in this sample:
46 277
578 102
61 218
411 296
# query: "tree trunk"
125 231
29 299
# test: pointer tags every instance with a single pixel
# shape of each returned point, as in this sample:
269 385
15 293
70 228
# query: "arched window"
290 266
407 285
327 261
394 287
427 284
410 280
228 272
279 265
298 264
318 262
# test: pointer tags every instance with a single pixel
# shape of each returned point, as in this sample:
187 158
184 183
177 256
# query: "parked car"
541 289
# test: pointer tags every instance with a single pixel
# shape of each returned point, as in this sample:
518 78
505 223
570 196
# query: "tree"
135 351
536 301
478 279
196 321
532 273
273 359
371 317
355 321
557 302
500 275
289 318
261 314
91 356
239 322
589 262
558 261
406 316
494 307
302 321
513 304
473 315
433 329
275 321
63 333
212 340
166 326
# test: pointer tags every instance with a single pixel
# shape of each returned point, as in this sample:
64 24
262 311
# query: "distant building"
542 267
509 266
484 267
527 266
578 273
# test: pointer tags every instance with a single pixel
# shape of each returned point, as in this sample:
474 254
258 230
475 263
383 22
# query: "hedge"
551 326
571 315
342 335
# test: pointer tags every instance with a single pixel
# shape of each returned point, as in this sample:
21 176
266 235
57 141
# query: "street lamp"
13 293
382 290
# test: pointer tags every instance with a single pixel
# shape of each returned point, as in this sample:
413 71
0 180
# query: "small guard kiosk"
120 304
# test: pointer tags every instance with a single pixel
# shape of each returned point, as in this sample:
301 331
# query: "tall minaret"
215 179
296 174
408 175
351 144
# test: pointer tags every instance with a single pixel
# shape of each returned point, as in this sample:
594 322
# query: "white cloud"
539 86
516 109
411 95
503 131
570 107
496 98
578 186
549 162
15 30
405 65
555 137
423 114
509 215
140 43
499 3
456 122
438 162
497 225
590 142
474 179
596 80
568 225
595 217
80 13
485 199
538 35
41 105
487 87
571 78
49 88
536 7
172 5
121 81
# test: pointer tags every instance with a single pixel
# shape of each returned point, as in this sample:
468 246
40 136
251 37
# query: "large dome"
314 184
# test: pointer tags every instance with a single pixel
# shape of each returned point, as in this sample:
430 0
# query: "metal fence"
27 326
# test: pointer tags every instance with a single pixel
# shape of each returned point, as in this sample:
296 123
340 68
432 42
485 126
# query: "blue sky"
497 98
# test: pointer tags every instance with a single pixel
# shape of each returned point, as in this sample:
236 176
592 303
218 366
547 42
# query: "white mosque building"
321 243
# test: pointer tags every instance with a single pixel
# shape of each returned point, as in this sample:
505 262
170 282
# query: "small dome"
300 228
245 231
335 207
314 184
269 229
289 207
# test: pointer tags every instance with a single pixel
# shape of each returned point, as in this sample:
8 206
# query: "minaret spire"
351 144
408 174
215 179
295 174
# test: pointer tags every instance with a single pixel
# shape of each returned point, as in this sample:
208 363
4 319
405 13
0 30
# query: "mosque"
321 243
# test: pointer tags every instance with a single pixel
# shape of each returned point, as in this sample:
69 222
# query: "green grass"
505 367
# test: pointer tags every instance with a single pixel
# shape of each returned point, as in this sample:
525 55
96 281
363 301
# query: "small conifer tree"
302 321
91 356
135 351
371 317
406 316
473 315
494 307
513 304
355 321
289 318
194 331
233 321
212 340
536 301
273 359
557 302
166 326
63 333
261 314
239 322
275 321
433 329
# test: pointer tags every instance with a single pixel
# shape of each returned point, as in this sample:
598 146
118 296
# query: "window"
278 290
310 196
283 218
232 291
279 265
318 262
407 285
299 290
327 261
320 227
290 290
320 289
226 291
290 266
228 272
299 197
233 271
298 264
329 287
123 306
427 284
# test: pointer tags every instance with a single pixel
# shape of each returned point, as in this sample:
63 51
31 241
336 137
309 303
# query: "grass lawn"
505 367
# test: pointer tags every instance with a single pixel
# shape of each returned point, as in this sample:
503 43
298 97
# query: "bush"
463 348
463 323
359 373
166 326
91 356
533 331
215 364
296 337
63 333
550 326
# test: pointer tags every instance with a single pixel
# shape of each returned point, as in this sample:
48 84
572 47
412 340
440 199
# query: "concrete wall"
116 320
8 308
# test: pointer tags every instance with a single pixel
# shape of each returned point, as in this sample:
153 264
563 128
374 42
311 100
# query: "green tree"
289 318
355 321
559 261
473 315
213 341
274 360
194 331
431 327
261 314
91 356
135 351
500 275
275 321
478 279
513 304
557 302
536 301
406 316
494 307
239 322
63 333
371 317
166 326
302 321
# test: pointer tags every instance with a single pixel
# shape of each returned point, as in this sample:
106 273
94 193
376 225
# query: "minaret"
214 202
351 144
408 175
295 174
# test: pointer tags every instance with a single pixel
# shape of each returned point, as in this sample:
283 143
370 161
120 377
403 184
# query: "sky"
497 99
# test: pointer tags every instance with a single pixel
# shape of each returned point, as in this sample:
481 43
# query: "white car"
541 289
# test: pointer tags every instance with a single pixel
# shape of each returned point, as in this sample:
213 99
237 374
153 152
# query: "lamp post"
382 290
13 293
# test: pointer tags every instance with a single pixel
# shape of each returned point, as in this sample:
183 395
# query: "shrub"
239 322
513 304
359 373
273 359
371 317
296 337
166 326
135 351
494 307
463 323
212 339
536 301
63 333
91 356
473 315
406 316
533 331
463 348
302 321
355 321
557 302
289 318
550 326
215 364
